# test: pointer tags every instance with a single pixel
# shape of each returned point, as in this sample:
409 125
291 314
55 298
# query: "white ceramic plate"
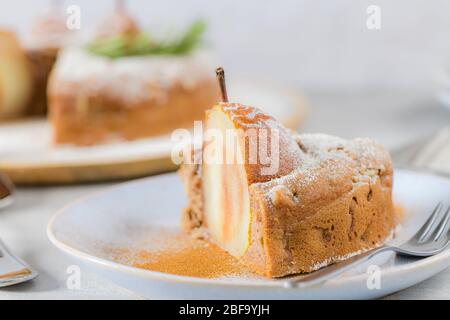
128 213
28 156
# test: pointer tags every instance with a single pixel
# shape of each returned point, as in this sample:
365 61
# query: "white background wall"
311 44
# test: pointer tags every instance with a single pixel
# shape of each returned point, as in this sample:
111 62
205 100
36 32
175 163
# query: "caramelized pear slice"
242 146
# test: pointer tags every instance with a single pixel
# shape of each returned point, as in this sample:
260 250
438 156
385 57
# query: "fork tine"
426 228
443 225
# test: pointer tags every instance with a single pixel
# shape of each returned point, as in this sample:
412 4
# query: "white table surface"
393 119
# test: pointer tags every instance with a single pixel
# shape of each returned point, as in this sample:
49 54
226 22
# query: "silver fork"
12 269
431 239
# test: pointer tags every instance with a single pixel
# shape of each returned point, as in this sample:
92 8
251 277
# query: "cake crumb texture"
338 201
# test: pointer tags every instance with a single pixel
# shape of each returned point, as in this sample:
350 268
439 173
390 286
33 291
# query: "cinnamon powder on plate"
180 254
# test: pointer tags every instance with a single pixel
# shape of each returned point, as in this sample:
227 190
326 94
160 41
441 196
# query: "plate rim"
250 283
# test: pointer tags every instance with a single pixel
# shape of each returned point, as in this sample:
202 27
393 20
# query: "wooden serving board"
28 156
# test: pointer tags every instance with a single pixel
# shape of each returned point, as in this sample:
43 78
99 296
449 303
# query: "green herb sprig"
143 44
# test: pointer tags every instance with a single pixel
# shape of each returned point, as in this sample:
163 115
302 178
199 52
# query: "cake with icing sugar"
125 84
96 99
331 198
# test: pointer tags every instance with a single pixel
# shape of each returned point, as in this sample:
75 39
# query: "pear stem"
220 74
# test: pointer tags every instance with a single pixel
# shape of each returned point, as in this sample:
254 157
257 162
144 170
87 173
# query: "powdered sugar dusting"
364 155
272 138
132 79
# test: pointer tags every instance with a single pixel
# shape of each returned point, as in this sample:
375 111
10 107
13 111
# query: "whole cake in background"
25 64
126 84
48 35
328 199
15 77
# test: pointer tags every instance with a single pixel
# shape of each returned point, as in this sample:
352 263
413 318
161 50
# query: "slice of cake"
129 86
47 36
15 77
307 200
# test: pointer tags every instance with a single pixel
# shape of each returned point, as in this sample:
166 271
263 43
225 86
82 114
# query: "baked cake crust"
91 119
337 203
126 98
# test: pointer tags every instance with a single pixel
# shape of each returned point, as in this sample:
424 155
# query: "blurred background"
314 45
379 82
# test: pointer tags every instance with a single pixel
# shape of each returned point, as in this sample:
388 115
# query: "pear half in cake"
324 199
250 143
